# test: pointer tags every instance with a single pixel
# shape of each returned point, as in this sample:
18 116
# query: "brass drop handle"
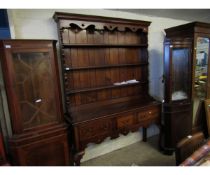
125 122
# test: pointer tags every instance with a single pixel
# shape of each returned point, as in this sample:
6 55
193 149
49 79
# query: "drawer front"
125 121
95 128
148 114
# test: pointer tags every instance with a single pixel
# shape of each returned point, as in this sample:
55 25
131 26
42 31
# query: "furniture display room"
95 80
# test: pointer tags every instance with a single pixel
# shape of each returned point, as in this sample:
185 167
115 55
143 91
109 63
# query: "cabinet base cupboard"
105 71
39 134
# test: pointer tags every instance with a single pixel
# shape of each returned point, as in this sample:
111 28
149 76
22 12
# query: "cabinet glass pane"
34 88
180 73
201 69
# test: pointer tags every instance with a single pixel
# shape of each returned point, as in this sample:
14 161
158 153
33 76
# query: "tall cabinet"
177 106
105 71
33 93
194 37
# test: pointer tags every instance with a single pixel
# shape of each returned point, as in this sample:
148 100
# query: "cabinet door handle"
38 100
8 46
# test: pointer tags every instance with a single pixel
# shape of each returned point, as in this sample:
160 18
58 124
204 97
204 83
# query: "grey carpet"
138 154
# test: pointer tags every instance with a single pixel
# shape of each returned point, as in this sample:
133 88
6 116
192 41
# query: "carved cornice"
84 22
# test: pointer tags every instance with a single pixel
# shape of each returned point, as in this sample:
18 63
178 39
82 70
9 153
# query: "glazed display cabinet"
177 106
33 93
199 74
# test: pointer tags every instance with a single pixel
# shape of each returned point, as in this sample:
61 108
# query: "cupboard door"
46 150
181 73
32 87
178 70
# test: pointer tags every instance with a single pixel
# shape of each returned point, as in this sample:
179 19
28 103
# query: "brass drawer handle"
125 122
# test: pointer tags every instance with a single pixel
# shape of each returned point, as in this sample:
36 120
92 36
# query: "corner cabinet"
177 106
33 92
105 72
195 36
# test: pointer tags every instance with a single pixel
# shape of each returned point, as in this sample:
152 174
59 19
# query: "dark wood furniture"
188 145
33 92
199 34
3 160
200 156
207 109
177 106
105 70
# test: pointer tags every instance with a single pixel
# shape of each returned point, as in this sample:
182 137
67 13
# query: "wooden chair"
188 145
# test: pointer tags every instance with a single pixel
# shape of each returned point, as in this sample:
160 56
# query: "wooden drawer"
95 128
148 114
125 121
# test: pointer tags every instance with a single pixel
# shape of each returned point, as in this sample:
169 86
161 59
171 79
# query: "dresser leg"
144 134
78 156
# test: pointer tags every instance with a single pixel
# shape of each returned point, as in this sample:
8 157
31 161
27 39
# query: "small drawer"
148 114
94 128
125 121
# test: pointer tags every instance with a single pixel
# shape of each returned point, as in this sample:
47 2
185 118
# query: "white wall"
38 24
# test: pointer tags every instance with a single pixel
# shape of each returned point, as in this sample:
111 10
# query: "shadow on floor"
137 154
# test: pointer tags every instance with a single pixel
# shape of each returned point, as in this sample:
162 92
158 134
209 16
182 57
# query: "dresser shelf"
67 69
102 45
104 87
